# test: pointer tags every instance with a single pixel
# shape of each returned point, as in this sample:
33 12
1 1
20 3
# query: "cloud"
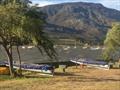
111 3
45 3
49 2
42 2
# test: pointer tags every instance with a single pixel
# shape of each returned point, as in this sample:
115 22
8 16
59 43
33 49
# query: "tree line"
22 24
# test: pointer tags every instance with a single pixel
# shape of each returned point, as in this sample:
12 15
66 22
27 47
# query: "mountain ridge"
88 21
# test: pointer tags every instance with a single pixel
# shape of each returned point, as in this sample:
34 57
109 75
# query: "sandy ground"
73 79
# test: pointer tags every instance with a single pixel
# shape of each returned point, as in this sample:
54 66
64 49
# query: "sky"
115 4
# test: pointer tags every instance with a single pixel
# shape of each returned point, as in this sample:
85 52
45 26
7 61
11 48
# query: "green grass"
5 77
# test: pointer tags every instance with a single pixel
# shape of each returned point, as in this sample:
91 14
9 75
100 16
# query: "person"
63 69
53 68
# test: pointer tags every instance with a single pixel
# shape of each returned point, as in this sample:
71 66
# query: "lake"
65 53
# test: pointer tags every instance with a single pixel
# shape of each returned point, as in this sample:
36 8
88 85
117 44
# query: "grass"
5 77
73 79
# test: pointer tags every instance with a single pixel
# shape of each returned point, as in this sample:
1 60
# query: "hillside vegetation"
87 21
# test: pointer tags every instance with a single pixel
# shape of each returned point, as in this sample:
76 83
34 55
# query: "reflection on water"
65 53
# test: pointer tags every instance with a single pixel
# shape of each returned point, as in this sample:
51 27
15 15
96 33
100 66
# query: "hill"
86 21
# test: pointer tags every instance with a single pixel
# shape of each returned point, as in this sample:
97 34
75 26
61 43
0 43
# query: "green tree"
21 25
112 43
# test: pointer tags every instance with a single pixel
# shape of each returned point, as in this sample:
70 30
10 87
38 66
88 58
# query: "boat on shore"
92 63
43 68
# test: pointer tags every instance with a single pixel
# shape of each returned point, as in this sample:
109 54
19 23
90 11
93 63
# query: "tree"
112 43
21 25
